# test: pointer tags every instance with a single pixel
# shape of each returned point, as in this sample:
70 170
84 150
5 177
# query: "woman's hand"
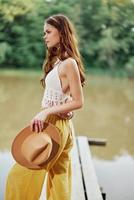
68 115
37 123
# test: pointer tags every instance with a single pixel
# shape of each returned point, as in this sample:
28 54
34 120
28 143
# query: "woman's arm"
73 77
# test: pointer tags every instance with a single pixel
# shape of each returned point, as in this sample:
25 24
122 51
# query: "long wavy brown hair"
68 46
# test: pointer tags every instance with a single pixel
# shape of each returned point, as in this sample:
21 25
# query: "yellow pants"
26 184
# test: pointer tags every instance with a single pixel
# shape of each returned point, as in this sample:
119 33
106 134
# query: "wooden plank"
43 192
77 184
91 183
82 165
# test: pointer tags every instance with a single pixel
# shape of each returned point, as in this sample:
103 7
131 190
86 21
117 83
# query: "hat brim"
51 130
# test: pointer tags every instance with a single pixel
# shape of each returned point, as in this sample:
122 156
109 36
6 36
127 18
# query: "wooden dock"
85 183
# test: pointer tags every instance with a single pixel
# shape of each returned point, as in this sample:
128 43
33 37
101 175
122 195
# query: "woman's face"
51 36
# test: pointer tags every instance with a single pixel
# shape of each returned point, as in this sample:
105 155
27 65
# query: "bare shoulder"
70 61
70 64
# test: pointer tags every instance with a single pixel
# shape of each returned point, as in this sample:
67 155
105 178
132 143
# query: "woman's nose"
44 36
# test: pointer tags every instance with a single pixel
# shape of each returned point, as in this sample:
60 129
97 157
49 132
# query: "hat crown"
37 148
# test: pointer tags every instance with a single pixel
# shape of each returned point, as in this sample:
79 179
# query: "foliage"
105 29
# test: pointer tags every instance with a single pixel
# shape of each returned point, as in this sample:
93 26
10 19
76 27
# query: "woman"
63 80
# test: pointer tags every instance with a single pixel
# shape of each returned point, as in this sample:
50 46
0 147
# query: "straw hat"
36 150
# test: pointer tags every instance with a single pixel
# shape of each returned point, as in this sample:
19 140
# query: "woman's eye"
47 32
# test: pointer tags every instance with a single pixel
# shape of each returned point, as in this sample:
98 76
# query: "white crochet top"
53 94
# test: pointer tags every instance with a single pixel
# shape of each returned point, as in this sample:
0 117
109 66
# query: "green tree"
105 29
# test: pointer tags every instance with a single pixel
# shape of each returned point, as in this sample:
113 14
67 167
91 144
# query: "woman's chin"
50 46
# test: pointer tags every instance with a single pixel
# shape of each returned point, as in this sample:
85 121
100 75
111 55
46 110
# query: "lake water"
108 113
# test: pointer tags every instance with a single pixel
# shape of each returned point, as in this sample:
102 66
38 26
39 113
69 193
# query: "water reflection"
116 177
6 162
108 110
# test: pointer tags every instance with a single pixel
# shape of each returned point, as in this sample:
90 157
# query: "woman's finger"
40 126
32 125
36 126
71 115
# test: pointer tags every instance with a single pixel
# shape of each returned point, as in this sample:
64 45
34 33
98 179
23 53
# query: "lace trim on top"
53 97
